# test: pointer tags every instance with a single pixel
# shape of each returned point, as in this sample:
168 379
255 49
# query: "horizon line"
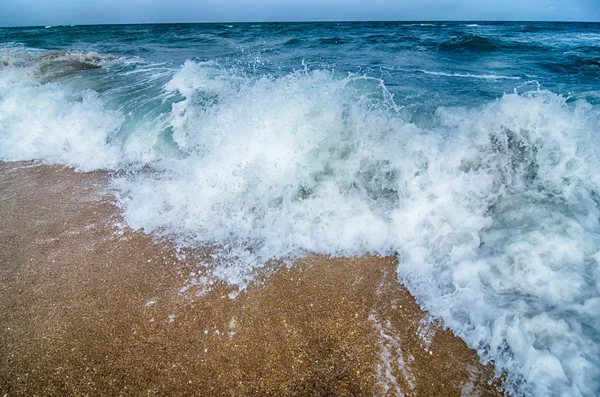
305 21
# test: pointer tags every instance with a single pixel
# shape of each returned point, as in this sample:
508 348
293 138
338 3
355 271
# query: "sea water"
469 150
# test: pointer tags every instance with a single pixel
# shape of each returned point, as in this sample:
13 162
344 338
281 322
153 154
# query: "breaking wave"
492 210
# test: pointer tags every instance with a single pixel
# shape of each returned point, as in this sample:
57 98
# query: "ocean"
469 150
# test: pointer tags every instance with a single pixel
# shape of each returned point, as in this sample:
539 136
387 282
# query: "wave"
469 42
90 57
44 121
58 26
540 28
52 66
293 42
480 44
333 41
15 54
586 50
493 211
391 38
472 76
574 64
425 25
380 38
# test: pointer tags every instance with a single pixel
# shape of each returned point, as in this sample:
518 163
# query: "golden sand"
88 307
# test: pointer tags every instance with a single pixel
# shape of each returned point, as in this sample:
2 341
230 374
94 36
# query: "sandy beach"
90 307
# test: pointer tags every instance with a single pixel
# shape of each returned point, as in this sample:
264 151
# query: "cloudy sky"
54 12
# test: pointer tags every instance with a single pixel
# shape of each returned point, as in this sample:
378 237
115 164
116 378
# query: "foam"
47 122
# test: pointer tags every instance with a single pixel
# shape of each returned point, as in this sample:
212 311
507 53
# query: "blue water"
469 150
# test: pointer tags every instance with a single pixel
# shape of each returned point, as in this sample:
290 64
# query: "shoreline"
92 307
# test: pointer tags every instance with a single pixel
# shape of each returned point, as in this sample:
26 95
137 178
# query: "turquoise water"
469 150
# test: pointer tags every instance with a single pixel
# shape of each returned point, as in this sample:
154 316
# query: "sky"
76 12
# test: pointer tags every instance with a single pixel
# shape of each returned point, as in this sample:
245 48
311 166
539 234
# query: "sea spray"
494 209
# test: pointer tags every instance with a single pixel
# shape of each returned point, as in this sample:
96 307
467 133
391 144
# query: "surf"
490 206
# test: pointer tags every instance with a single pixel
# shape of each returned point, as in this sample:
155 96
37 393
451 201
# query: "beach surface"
91 307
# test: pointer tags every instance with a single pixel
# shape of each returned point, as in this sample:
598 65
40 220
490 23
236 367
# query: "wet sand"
90 307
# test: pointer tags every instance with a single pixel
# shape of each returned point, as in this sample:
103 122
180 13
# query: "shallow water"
468 150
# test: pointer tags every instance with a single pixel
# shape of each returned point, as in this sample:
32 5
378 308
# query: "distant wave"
293 42
59 26
333 40
475 43
379 38
427 25
573 64
539 28
472 76
470 42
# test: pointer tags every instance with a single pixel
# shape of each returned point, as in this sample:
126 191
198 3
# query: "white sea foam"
47 122
493 212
